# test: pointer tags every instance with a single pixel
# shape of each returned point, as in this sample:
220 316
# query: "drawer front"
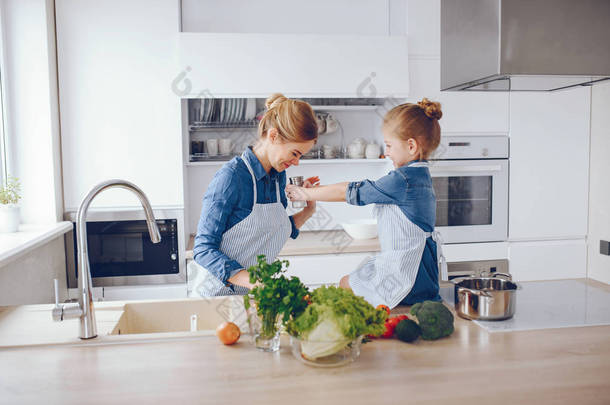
315 270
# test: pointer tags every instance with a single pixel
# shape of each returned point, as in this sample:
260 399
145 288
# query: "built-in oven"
120 250
470 179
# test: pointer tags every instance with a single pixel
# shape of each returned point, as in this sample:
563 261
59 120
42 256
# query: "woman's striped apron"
263 232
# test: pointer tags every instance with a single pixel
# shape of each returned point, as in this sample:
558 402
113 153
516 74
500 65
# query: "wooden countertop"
570 365
318 243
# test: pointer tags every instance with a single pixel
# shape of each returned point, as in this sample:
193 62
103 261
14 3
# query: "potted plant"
9 208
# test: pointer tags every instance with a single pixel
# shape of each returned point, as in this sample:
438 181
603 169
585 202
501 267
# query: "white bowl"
361 228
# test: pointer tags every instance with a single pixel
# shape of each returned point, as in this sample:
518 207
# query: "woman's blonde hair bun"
294 120
432 109
274 99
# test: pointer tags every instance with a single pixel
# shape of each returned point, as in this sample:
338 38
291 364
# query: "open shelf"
345 107
304 162
215 126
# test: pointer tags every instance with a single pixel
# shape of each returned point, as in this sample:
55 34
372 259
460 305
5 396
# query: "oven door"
471 199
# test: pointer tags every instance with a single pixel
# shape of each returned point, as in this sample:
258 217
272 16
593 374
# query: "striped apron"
263 232
389 277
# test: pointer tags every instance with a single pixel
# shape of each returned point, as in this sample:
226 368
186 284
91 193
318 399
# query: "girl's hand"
296 193
309 183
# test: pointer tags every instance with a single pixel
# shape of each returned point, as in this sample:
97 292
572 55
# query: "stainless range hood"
524 45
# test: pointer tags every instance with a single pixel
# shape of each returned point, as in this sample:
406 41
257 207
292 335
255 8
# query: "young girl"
406 270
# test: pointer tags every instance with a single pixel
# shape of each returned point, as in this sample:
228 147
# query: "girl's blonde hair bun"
274 100
432 109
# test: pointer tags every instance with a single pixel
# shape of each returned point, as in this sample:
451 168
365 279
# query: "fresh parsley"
275 295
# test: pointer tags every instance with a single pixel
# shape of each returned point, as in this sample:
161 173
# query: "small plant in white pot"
9 208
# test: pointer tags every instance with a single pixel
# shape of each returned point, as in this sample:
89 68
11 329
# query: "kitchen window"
3 164
3 145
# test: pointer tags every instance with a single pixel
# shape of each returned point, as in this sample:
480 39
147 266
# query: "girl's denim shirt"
408 187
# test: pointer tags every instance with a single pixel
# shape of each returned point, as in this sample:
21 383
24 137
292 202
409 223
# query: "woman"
244 208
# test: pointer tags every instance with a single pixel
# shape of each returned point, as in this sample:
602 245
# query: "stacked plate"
226 111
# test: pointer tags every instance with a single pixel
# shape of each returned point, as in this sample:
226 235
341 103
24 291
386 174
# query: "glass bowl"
317 353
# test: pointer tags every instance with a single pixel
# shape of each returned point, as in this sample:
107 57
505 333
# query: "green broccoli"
434 319
407 330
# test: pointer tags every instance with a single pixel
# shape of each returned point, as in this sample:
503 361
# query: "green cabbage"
333 320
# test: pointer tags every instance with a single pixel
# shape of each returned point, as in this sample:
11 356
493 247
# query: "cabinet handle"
494 168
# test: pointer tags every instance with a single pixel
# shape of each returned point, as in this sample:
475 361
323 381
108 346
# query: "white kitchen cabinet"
549 164
315 270
149 292
337 17
548 260
119 116
424 27
305 65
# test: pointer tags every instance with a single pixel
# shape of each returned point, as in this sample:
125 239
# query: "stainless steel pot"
486 298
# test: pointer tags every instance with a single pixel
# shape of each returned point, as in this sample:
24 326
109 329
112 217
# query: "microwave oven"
120 250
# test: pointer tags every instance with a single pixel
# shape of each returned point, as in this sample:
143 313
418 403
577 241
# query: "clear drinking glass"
265 331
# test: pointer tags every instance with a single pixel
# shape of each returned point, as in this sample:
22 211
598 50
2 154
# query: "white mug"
331 124
328 151
321 121
354 151
372 151
211 146
225 146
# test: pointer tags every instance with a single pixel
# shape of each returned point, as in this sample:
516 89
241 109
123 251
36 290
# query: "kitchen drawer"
314 270
548 260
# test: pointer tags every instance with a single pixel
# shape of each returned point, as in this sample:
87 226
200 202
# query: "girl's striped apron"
263 232
389 277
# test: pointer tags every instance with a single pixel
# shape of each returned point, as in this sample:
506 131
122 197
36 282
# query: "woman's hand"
344 283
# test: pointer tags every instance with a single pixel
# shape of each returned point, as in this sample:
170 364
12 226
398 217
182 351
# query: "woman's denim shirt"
408 187
227 201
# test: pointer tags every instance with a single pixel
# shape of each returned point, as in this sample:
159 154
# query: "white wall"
599 183
31 106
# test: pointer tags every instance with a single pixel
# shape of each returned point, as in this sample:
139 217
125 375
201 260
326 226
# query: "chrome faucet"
84 308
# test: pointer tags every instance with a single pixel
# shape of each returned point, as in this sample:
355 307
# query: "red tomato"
389 332
384 308
390 325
